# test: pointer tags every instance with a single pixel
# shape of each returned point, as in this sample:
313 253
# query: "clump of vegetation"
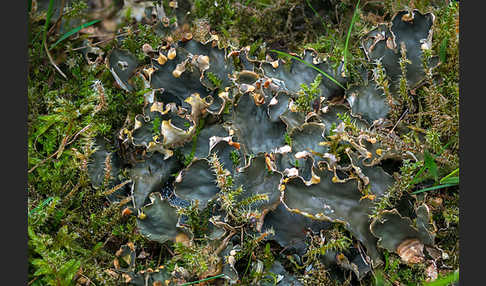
214 79
235 158
135 39
275 24
395 270
336 239
188 158
308 94
235 207
403 79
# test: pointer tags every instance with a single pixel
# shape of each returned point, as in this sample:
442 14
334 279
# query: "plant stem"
309 65
202 280
349 35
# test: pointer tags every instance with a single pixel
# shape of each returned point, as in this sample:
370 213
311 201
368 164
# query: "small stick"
59 149
103 41
89 280
57 24
160 256
168 249
33 280
115 188
125 201
74 190
79 132
224 243
52 61
401 117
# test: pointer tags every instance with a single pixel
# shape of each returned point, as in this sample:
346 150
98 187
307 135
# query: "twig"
125 201
103 41
400 119
337 15
116 188
42 162
160 257
91 282
64 140
33 280
106 241
79 132
61 14
202 280
52 61
73 191
224 243
168 249
59 149
418 129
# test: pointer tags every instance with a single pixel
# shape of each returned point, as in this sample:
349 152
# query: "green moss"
198 220
188 158
336 239
64 117
403 183
235 157
396 270
451 215
156 126
288 139
214 79
308 94
403 88
261 23
135 39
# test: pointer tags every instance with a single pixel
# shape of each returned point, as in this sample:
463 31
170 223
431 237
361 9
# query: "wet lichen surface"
243 143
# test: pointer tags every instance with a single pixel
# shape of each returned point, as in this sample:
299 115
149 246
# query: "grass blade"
450 180
434 188
309 65
443 49
317 14
353 20
48 19
446 178
429 163
73 31
202 280
415 178
41 205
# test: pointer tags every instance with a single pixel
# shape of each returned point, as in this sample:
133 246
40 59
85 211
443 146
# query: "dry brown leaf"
411 251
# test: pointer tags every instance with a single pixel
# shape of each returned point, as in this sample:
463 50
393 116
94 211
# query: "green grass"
353 20
317 14
203 280
448 181
72 32
48 20
39 207
284 54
